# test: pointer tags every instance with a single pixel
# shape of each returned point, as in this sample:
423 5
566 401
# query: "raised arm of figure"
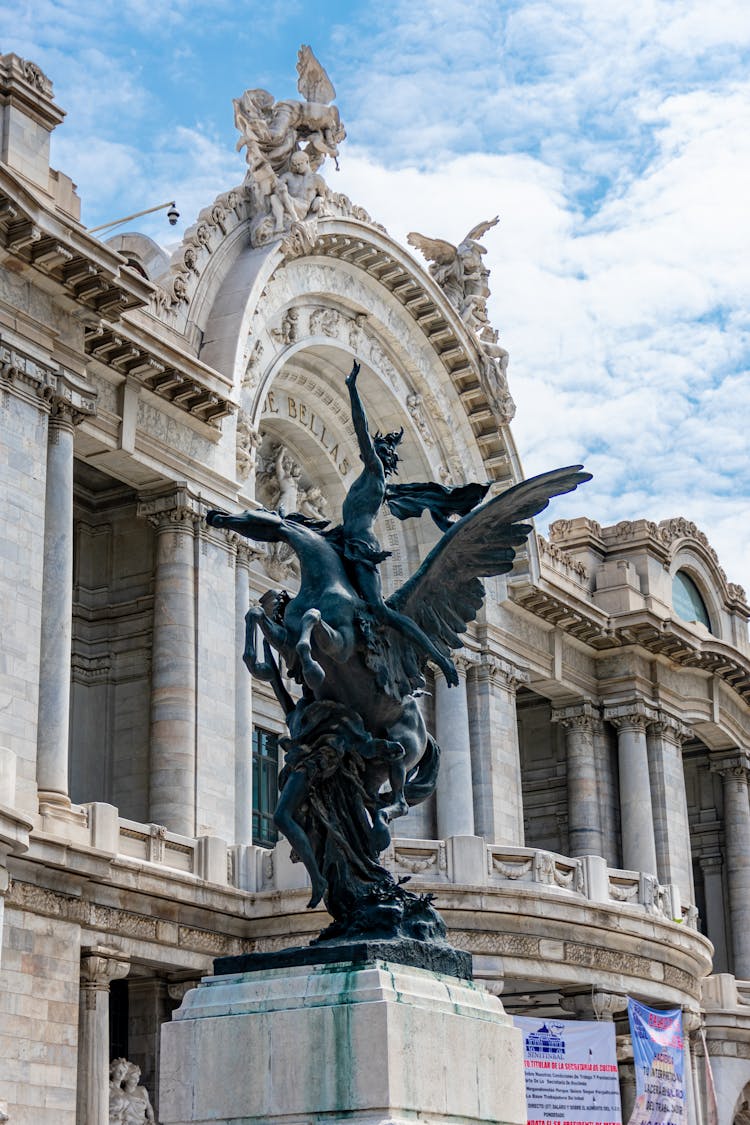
359 420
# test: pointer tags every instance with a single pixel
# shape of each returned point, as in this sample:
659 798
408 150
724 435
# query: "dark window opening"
265 786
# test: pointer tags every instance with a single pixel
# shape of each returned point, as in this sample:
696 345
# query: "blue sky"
612 138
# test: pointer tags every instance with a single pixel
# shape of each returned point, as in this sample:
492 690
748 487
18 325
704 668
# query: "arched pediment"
690 550
345 279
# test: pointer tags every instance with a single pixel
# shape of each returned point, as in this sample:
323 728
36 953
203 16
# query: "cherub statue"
459 270
288 475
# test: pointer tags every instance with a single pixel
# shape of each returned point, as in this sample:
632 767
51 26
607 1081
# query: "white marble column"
495 754
733 767
243 729
57 612
664 737
455 805
584 812
98 970
636 815
173 665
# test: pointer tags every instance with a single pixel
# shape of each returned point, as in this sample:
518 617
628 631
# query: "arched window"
687 601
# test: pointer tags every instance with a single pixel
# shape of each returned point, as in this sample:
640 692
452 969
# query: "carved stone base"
438 957
373 1045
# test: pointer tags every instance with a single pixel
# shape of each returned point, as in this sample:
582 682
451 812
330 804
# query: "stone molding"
25 84
67 395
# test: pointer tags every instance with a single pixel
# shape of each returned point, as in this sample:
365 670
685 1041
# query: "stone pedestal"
374 1044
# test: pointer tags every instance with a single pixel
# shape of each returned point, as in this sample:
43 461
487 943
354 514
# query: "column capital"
594 1004
171 508
636 714
246 552
100 966
578 716
668 726
710 864
692 1020
731 764
495 669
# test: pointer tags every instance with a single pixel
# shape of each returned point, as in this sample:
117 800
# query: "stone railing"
204 857
465 861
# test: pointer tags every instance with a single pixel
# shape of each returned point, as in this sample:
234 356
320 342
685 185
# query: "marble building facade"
590 837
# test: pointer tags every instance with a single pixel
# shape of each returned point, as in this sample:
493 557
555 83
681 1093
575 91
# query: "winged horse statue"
358 753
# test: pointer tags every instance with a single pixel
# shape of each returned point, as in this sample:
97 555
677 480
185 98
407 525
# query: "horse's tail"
422 780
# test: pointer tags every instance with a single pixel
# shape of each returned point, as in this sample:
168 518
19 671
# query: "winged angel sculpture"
459 270
358 754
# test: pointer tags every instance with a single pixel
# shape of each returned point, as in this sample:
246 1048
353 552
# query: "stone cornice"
574 615
170 373
683 646
75 265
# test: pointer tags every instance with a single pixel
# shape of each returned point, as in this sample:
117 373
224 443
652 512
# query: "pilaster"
455 806
495 754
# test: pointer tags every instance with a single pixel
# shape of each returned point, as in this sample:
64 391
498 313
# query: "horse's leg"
410 731
338 644
292 797
277 635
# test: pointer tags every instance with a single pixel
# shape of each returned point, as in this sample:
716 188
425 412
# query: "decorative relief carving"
481 941
611 960
414 404
248 442
69 396
563 561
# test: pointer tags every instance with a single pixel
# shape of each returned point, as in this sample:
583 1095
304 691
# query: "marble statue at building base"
374 1044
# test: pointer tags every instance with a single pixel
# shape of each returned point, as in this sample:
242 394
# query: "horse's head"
261 525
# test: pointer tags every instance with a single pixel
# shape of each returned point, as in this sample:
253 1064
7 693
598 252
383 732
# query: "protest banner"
570 1068
659 1057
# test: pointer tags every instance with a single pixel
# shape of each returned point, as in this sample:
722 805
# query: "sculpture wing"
313 83
481 228
434 249
445 594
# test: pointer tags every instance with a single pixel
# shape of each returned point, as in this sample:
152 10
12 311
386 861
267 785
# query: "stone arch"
239 318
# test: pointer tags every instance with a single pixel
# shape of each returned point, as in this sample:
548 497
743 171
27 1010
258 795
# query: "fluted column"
98 969
584 814
455 804
636 816
243 725
57 611
173 667
664 737
495 753
733 768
